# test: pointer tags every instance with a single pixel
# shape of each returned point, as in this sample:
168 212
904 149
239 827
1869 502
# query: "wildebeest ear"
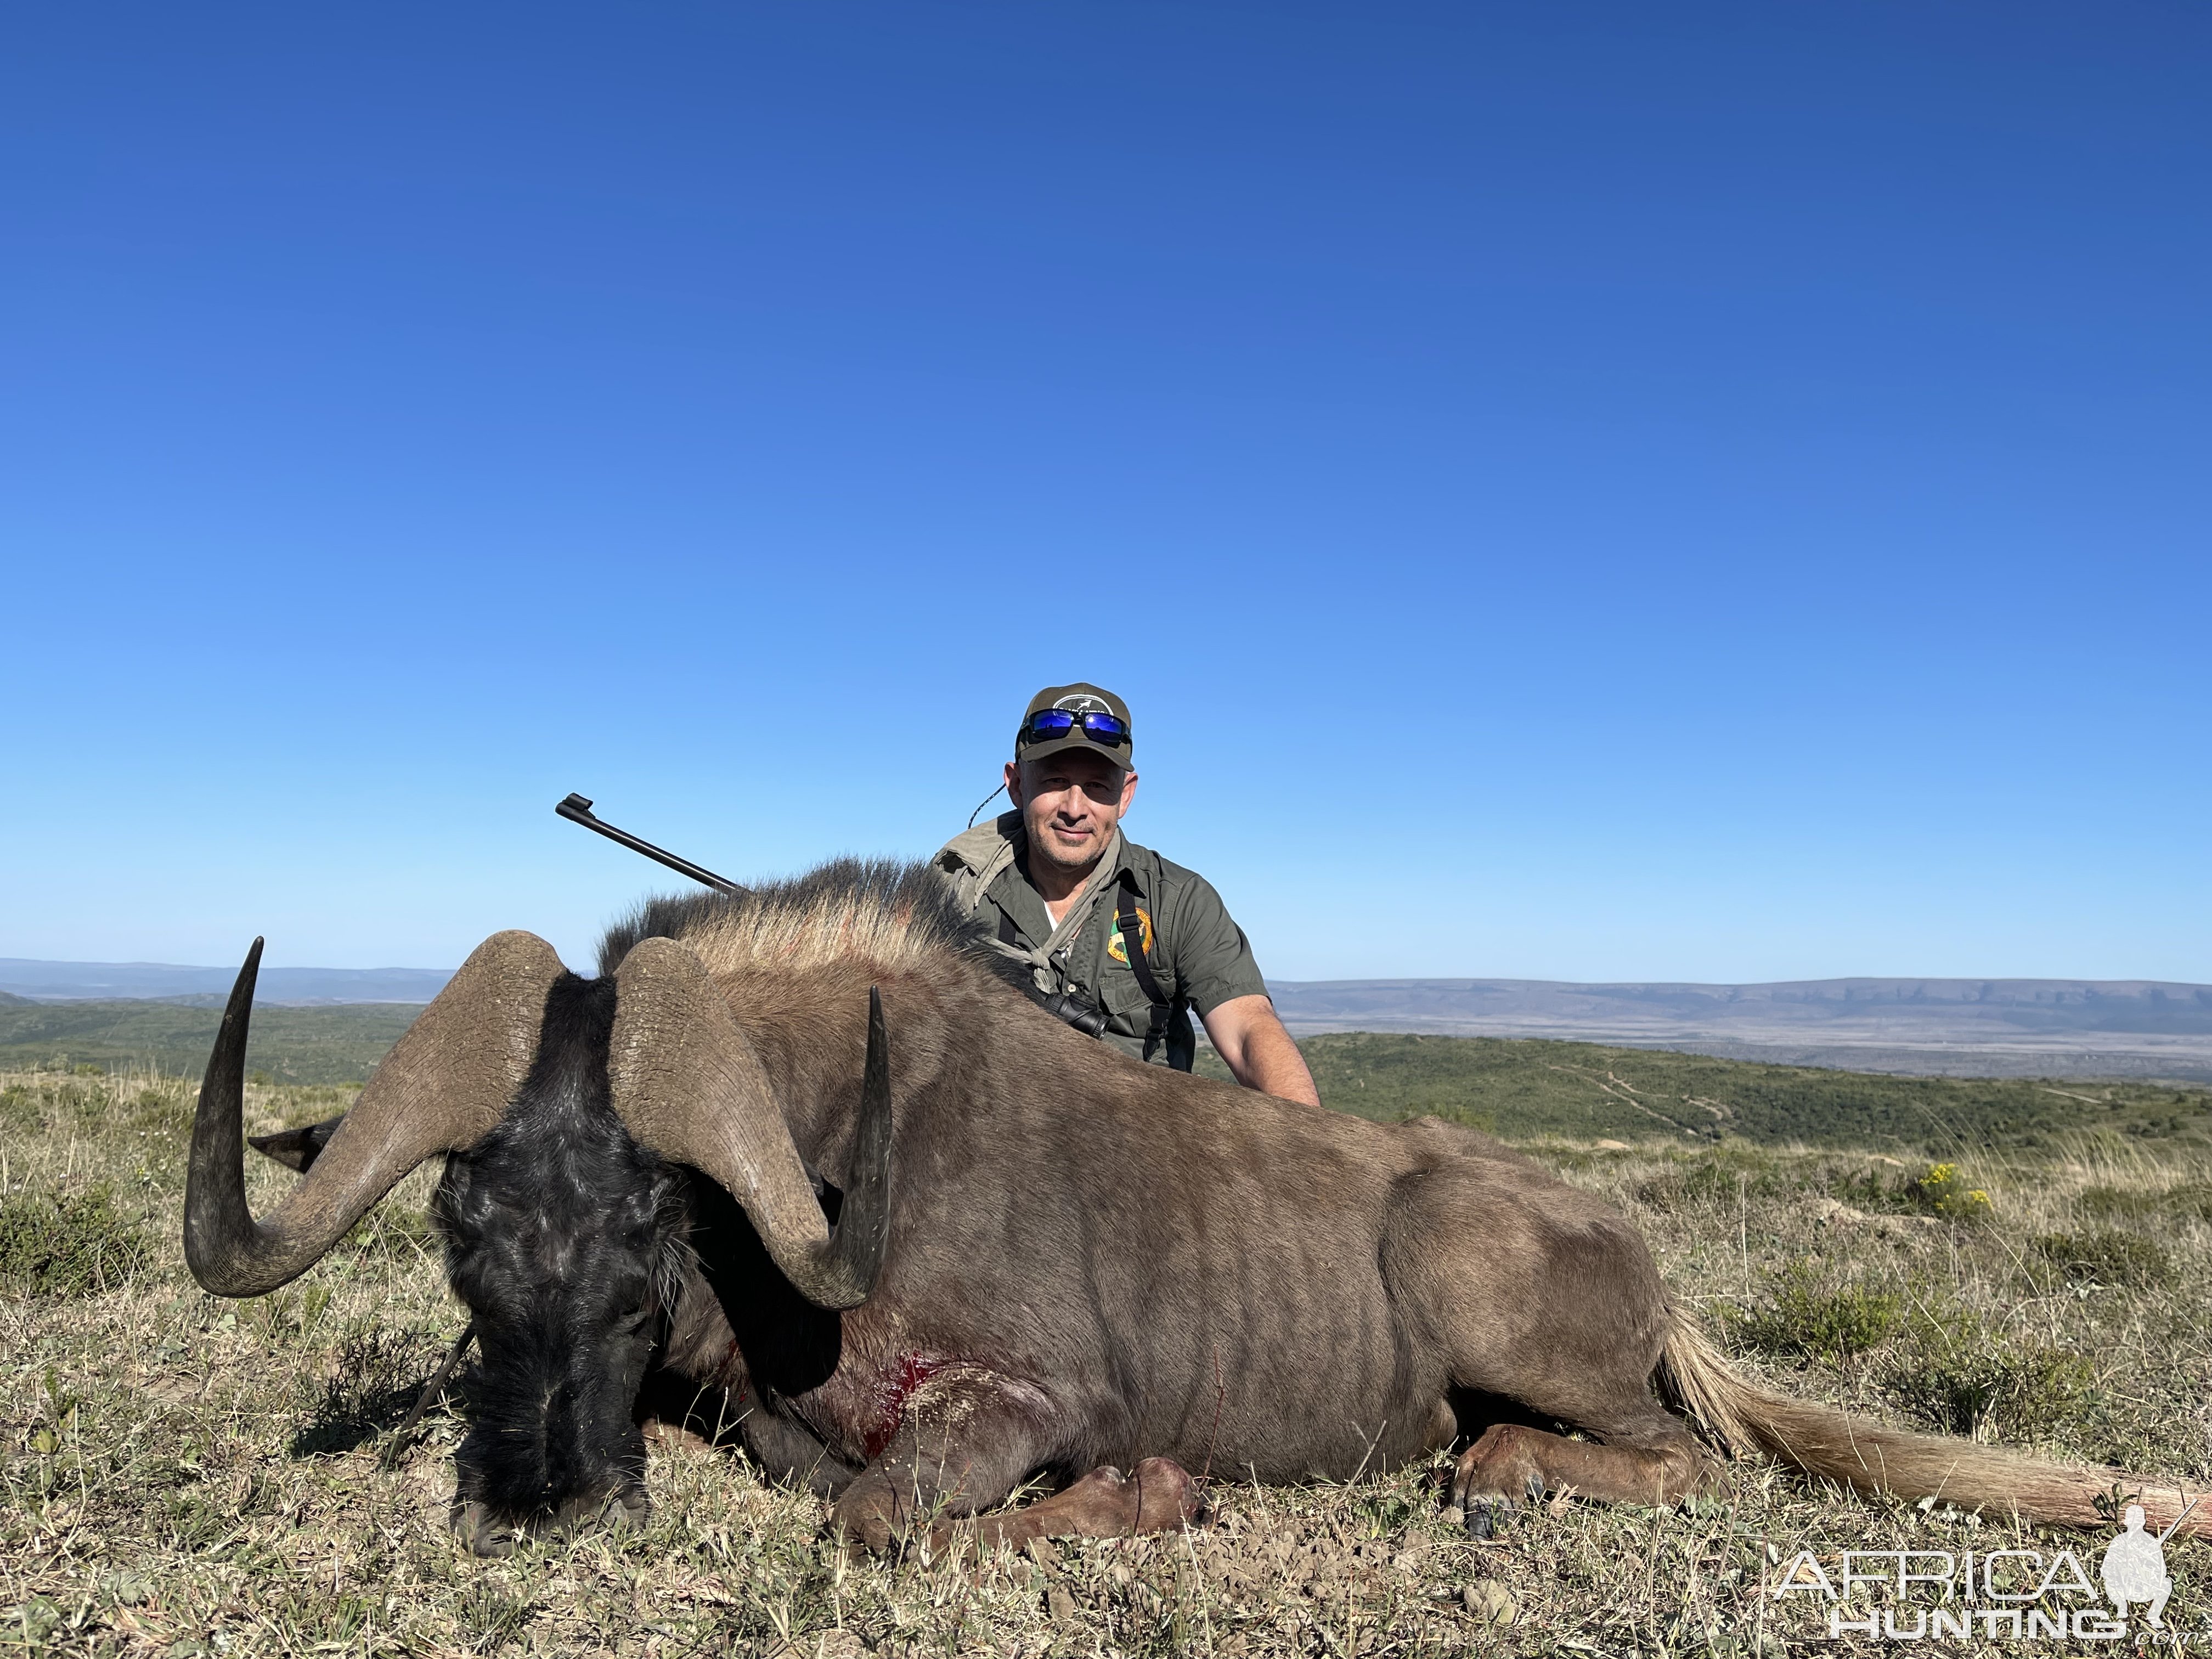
827 1193
295 1149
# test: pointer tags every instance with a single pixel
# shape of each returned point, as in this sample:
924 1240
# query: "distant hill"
2050 1028
71 982
1515 1088
325 1044
2017 1027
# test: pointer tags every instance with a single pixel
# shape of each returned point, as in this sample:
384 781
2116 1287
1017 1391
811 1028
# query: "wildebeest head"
567 1110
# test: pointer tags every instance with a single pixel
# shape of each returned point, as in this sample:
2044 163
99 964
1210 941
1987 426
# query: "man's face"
1070 803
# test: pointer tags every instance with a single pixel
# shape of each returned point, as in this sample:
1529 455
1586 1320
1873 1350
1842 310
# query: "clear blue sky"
1576 491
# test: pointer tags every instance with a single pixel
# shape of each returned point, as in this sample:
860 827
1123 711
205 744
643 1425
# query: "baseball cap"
1077 700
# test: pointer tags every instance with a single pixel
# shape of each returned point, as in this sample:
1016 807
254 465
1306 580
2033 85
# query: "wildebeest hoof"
859 1547
660 1432
1167 1496
626 1506
1481 1519
485 1535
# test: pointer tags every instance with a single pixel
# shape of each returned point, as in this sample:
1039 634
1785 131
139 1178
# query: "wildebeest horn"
441 1088
689 1085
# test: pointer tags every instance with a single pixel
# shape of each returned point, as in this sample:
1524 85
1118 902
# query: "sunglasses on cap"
1100 727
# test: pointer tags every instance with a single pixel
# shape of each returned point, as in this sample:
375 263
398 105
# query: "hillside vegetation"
340 1043
1519 1089
1512 1087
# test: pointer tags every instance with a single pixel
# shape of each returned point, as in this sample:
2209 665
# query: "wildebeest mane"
893 916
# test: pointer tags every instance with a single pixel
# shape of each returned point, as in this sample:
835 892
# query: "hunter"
1065 892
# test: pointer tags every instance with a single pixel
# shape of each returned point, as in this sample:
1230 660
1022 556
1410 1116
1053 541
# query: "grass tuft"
1959 1376
1802 1318
368 1391
60 1244
2108 1256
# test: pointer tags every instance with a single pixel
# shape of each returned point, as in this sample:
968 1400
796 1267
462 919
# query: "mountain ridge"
1991 1026
2016 1026
36 981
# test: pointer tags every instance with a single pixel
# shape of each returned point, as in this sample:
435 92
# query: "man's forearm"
1258 1052
1274 1066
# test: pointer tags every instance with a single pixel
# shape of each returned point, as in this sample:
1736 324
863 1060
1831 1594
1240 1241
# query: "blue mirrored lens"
1107 729
1051 723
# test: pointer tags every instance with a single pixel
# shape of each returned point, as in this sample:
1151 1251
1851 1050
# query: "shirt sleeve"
1213 958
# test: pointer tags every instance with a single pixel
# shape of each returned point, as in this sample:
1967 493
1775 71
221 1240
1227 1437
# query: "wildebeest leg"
1157 1496
970 1448
958 1447
1510 1462
1639 1452
1551 1302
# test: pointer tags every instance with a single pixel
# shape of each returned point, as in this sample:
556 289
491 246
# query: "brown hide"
1156 1264
1093 1262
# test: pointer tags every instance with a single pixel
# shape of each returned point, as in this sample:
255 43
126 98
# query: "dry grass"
179 1475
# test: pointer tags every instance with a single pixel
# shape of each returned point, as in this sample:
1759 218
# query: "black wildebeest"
1046 1258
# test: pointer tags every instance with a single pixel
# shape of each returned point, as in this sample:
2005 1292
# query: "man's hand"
1246 1034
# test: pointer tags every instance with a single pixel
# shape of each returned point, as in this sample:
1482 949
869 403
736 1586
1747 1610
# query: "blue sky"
1582 491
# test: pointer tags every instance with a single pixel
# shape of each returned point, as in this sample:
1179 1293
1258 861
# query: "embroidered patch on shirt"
1117 949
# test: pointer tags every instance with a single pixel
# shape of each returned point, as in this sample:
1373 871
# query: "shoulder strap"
1133 943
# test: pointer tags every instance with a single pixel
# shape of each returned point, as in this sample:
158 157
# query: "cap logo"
1083 703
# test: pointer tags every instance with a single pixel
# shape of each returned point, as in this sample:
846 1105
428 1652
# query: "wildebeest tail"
1745 1418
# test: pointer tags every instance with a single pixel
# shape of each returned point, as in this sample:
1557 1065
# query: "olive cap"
1079 699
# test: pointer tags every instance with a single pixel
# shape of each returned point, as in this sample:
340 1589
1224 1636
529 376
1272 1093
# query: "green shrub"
65 1097
1872 1188
18 1109
1724 1179
66 1244
167 1113
2189 1200
1802 1319
2110 1202
2108 1255
1964 1378
2188 1197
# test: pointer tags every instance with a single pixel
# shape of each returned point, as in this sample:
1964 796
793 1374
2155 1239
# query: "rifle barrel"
577 809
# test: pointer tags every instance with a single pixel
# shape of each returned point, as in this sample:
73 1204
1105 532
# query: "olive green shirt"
1197 953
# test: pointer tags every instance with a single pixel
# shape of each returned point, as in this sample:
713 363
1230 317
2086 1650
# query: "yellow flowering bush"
1944 1191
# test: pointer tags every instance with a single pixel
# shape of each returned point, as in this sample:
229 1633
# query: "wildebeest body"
1060 1261
1094 1261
